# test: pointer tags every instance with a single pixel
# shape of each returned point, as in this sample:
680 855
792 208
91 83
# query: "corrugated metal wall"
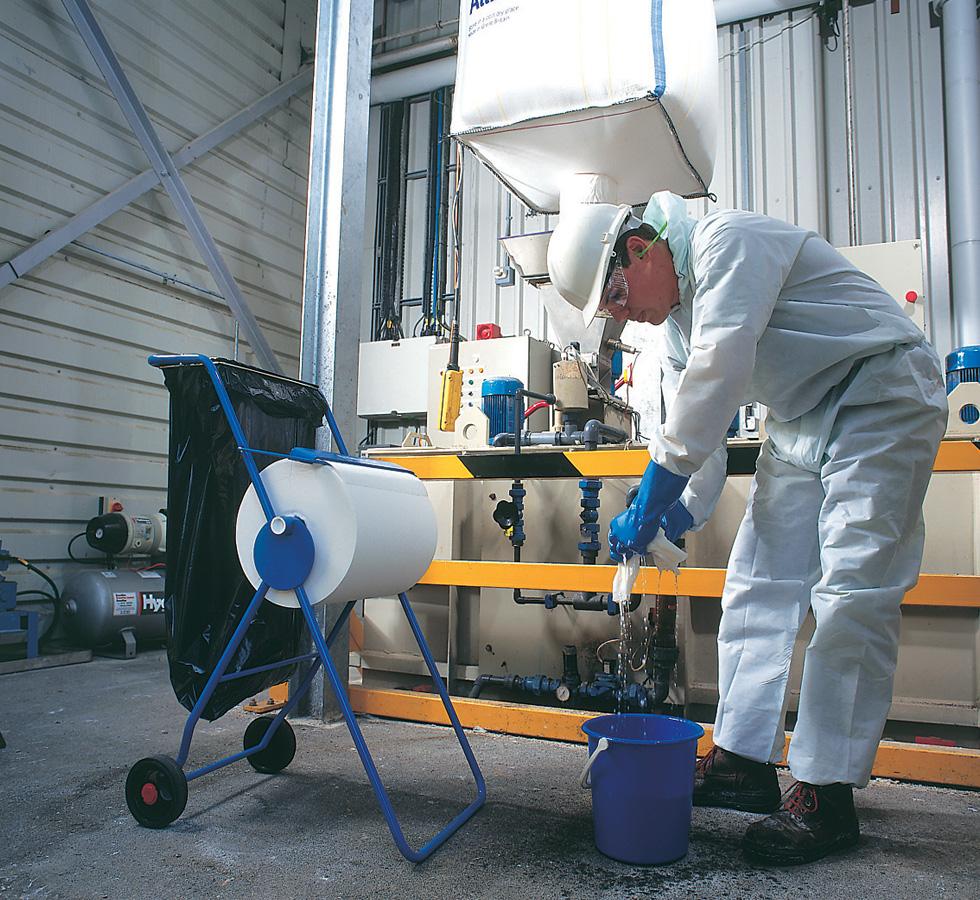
782 148
81 413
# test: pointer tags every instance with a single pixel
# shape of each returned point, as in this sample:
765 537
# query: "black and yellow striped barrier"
954 456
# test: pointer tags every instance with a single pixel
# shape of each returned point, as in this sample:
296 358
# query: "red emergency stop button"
911 297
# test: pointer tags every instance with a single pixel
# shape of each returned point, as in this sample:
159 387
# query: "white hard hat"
580 250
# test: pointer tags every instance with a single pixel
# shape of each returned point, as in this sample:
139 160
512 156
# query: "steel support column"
332 290
163 165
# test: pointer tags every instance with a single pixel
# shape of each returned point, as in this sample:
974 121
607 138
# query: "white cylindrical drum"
373 528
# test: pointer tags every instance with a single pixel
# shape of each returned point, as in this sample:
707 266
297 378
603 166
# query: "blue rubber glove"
676 521
633 530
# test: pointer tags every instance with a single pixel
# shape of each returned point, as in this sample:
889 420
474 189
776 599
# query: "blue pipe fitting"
517 495
589 546
539 685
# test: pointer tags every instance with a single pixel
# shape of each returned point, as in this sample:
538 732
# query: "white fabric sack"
546 89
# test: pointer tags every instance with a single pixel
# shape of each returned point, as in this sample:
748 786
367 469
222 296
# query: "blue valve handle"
634 529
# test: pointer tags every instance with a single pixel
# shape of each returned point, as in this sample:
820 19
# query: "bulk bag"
546 89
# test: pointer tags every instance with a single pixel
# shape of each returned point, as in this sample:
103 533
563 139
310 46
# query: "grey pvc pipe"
406 56
961 80
418 79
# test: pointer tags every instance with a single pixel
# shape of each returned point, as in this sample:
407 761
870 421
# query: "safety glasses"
615 295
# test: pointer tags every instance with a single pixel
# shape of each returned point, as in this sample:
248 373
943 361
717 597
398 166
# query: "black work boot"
812 821
726 779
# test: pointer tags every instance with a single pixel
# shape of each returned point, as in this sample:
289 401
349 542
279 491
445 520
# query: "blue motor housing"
964 365
499 401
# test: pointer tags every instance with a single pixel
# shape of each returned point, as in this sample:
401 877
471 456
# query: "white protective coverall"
770 312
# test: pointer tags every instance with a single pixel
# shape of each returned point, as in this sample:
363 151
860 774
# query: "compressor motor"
116 534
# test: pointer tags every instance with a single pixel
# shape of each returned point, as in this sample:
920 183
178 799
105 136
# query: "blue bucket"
641 771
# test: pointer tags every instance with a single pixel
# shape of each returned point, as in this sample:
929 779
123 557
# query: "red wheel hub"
149 794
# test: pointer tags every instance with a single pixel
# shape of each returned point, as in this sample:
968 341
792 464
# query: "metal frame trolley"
156 788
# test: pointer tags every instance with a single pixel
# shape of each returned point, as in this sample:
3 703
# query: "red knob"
911 297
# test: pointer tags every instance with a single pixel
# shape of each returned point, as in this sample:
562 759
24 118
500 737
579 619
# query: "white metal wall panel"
900 143
81 413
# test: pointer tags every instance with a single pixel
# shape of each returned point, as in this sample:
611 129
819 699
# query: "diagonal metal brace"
96 213
163 165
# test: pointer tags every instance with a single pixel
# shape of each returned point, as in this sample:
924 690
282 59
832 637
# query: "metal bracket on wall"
166 171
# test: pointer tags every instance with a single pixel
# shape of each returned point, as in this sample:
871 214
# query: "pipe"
550 399
961 80
406 56
397 84
851 151
595 430
570 674
583 602
536 439
589 545
662 652
505 681
603 690
730 11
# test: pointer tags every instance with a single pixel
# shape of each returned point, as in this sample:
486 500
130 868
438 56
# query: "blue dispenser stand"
284 554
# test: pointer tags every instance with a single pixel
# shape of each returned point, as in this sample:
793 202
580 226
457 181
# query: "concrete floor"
316 831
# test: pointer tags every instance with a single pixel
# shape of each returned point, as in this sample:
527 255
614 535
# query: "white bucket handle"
585 780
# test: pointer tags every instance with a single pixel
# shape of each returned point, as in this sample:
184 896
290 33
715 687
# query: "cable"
771 37
72 541
44 595
29 565
55 599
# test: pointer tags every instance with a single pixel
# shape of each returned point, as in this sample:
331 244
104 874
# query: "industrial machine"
500 648
544 493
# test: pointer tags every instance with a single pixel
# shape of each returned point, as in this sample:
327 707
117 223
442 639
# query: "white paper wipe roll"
374 530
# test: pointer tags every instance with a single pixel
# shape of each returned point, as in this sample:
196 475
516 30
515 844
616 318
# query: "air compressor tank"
122 606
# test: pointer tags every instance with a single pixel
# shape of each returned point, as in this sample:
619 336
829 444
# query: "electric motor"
120 535
499 401
963 365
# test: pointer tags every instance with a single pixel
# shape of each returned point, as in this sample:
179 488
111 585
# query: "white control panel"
897 267
392 378
523 357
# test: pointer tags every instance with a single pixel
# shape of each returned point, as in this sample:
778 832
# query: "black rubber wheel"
281 749
156 791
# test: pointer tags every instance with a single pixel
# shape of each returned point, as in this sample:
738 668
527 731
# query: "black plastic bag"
207 592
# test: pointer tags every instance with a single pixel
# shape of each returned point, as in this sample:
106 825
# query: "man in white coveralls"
756 309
